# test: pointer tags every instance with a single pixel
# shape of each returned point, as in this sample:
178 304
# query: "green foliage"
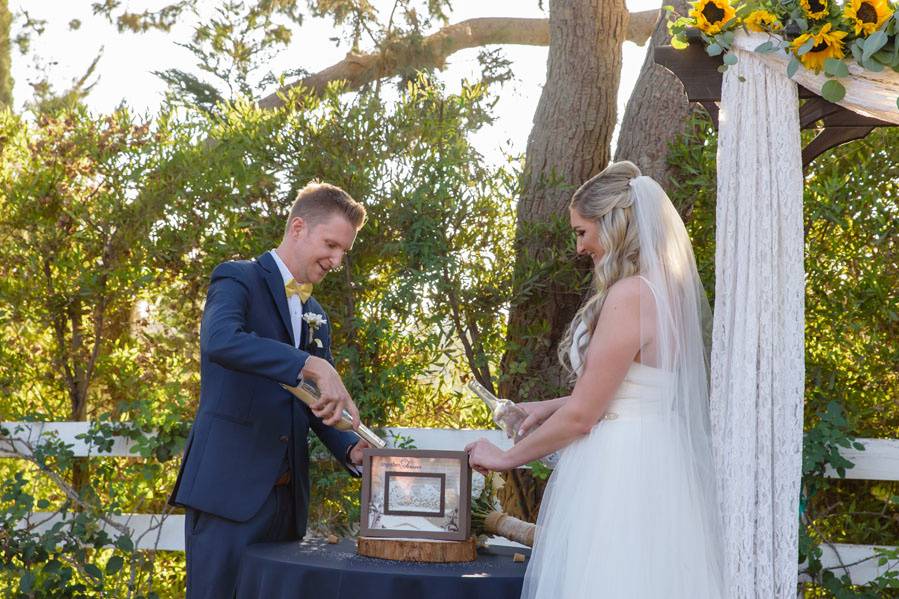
851 324
110 227
164 18
112 223
76 551
5 67
239 39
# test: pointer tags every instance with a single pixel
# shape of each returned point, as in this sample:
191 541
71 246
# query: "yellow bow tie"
302 290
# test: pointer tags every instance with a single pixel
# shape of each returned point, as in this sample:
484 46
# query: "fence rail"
878 461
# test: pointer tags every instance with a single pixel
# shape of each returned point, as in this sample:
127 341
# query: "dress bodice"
643 391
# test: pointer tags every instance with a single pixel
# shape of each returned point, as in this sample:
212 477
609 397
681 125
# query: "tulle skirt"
621 519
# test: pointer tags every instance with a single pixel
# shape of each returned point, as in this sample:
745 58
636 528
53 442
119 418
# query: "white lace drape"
757 369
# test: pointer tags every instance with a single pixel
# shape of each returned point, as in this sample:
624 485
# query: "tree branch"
10 443
358 69
456 317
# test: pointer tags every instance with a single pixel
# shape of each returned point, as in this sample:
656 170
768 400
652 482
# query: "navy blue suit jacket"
242 432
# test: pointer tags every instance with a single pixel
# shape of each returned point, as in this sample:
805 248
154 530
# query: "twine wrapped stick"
487 520
510 527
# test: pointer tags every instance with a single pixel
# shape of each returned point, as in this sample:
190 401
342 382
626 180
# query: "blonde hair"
318 201
607 199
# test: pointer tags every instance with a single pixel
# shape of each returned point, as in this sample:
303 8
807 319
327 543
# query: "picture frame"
416 494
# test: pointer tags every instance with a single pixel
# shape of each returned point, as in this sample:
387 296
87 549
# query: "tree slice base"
418 550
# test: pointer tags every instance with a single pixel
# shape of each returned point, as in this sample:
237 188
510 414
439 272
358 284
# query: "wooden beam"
697 71
702 81
712 109
815 109
878 461
833 115
37 433
165 532
157 532
860 562
829 138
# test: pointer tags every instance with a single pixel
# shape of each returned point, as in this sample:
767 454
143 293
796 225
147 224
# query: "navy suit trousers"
214 545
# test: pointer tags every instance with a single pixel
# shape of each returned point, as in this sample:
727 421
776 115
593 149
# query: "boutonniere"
314 322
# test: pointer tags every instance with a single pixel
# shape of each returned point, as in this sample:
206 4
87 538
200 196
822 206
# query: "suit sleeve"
224 335
338 442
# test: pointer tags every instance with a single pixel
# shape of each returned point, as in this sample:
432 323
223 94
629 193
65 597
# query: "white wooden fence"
879 461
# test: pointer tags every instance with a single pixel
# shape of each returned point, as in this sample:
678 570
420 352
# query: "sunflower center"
712 13
817 5
819 47
866 13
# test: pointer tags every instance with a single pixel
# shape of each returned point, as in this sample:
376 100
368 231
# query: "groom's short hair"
317 201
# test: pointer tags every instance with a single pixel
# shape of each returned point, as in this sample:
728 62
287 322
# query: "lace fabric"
757 362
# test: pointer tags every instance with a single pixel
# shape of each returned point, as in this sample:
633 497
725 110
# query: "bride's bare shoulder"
630 289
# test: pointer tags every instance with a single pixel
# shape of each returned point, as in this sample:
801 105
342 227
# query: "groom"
244 478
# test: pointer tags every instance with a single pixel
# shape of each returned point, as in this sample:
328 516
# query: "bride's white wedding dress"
619 518
630 510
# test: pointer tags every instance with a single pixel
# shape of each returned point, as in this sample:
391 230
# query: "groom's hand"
356 452
334 396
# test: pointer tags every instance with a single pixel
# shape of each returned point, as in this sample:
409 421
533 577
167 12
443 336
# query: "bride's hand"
537 412
484 456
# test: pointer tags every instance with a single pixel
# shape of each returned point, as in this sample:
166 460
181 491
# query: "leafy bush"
110 227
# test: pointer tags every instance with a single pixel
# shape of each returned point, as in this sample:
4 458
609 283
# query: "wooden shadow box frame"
457 458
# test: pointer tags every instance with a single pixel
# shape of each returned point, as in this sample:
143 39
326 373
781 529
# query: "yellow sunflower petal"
762 20
828 44
815 8
711 15
867 16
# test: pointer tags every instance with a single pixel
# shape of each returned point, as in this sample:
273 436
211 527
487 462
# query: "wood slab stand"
418 550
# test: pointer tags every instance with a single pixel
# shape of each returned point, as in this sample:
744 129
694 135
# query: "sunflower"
867 15
711 15
815 9
762 20
828 44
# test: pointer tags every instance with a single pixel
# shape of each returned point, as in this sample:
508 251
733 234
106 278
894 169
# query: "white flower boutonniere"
314 322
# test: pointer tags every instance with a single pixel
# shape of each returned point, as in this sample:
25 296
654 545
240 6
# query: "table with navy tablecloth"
315 569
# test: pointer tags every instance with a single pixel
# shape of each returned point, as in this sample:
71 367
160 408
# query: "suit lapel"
276 287
304 329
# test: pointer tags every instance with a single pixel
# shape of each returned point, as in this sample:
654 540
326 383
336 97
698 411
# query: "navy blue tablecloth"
314 569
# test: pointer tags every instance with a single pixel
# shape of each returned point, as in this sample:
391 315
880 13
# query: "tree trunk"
5 61
569 142
80 465
78 392
656 112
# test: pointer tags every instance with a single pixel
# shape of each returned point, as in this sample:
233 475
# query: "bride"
630 510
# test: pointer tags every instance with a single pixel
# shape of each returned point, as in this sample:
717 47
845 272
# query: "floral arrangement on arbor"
819 35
